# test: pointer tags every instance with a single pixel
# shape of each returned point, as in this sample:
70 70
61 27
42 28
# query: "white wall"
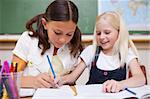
5 55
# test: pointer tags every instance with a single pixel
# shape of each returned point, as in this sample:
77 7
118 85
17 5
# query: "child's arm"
41 80
21 63
73 76
138 79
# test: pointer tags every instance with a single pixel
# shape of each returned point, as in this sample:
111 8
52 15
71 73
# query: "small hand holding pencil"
73 88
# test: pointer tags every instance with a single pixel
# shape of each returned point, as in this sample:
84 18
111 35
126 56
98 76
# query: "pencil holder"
1 88
11 83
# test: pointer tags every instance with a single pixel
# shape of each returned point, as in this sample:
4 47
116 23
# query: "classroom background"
15 13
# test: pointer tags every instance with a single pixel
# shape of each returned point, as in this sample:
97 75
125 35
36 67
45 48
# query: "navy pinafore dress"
98 76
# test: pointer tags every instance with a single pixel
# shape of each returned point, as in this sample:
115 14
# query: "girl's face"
106 35
60 33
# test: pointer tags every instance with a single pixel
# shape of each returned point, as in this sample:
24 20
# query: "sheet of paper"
63 91
26 92
83 92
140 91
93 91
87 92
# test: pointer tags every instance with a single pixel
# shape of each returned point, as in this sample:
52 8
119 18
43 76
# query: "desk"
25 98
26 93
88 92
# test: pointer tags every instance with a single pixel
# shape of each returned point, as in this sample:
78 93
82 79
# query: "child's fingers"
58 81
105 84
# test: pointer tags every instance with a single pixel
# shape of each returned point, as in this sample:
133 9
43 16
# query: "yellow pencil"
5 95
73 88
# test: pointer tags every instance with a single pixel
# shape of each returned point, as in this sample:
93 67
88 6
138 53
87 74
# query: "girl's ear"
44 23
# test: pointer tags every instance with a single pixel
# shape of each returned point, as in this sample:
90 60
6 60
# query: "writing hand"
43 80
60 80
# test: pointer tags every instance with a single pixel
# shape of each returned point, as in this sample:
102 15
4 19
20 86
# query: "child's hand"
43 80
59 81
112 86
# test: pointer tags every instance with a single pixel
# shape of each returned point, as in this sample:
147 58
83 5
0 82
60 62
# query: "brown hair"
58 10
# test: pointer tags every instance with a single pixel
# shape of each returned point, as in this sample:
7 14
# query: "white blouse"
28 50
104 62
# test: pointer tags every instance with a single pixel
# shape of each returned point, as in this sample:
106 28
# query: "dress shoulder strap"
98 49
97 53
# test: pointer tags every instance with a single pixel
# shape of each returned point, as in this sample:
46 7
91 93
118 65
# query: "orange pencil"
19 68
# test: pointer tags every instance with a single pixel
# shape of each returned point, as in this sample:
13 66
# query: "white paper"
87 92
26 92
63 91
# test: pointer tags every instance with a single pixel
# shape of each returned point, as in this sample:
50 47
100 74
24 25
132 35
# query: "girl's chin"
104 47
58 46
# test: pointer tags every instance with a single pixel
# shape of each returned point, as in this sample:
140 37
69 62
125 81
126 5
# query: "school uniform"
103 67
28 50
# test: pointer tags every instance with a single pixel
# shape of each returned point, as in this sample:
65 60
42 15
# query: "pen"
51 66
130 91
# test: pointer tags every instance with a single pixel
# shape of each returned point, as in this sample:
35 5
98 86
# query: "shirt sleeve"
131 56
87 54
22 47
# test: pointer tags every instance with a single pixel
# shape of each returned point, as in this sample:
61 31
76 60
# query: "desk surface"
26 93
87 92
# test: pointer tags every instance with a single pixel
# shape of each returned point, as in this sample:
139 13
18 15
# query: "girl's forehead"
103 24
62 24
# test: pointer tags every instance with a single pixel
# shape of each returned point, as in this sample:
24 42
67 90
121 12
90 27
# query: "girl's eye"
98 33
57 33
69 34
107 32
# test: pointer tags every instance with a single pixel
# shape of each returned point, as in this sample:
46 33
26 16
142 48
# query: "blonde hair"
123 43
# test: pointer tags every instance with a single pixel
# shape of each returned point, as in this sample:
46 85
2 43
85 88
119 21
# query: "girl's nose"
62 40
102 36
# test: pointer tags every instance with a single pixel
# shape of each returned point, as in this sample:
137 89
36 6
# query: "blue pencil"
51 66
130 91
